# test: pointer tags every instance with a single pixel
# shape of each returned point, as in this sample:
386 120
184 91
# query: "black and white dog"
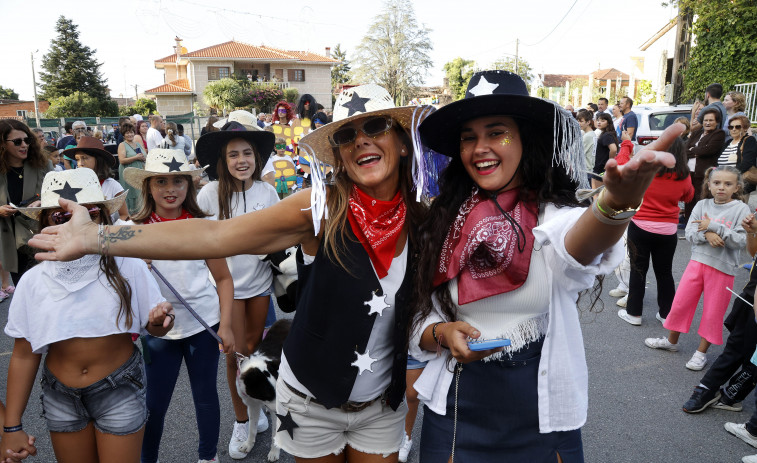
256 383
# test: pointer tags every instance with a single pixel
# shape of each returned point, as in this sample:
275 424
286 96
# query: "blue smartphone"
488 344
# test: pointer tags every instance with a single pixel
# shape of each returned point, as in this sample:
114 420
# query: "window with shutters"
218 72
296 75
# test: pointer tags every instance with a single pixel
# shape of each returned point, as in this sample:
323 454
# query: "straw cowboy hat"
209 146
80 185
91 146
246 118
160 162
354 103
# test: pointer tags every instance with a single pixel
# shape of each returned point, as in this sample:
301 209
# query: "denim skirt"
497 417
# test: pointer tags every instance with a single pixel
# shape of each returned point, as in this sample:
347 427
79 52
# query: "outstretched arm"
261 232
625 187
21 373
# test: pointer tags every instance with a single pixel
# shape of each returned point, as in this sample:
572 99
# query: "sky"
555 36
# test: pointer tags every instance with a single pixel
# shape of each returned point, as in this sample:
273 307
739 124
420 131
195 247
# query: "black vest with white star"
332 323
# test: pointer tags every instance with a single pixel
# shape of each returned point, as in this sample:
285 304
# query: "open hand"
626 184
68 241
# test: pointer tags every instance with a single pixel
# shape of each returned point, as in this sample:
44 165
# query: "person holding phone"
130 154
23 165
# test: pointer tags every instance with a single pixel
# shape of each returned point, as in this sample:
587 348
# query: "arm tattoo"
123 234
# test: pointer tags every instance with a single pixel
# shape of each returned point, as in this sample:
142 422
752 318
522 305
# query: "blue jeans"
200 352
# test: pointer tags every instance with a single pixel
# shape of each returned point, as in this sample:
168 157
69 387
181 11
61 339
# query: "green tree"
340 73
395 51
225 94
71 66
508 64
143 106
726 45
79 104
459 72
7 94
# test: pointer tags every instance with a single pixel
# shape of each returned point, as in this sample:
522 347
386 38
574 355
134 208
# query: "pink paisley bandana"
377 224
481 248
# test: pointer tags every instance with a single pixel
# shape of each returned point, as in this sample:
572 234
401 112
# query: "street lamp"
36 100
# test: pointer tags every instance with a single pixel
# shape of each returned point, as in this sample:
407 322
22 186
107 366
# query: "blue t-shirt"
629 120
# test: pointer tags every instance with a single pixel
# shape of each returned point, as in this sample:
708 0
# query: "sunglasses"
61 217
371 127
731 127
282 110
279 147
18 141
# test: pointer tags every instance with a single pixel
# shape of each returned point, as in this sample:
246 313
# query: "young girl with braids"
717 238
82 313
235 158
168 193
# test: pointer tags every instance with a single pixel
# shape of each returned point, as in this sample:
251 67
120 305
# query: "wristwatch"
612 214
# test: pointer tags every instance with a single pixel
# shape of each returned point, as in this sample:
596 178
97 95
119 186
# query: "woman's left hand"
626 184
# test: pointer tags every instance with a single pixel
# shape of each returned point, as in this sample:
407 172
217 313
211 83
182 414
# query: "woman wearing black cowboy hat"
506 249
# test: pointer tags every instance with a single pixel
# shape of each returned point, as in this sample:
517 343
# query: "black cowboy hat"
209 145
489 93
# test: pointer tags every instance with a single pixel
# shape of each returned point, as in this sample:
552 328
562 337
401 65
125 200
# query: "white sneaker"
617 292
659 317
215 458
238 437
623 301
739 430
405 447
661 343
697 362
623 314
749 459
262 422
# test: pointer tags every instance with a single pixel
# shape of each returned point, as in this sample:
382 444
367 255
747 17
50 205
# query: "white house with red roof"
187 73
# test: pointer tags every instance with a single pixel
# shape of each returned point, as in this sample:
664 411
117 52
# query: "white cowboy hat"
246 118
80 185
160 162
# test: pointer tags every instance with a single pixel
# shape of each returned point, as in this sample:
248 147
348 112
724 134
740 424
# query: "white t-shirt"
110 189
251 275
190 279
154 138
55 301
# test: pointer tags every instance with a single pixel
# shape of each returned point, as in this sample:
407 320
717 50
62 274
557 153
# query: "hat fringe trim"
568 145
319 209
420 163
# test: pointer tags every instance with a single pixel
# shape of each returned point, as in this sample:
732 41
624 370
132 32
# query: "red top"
624 155
661 199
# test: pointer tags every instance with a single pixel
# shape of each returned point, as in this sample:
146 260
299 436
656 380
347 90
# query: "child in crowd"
168 193
235 157
173 140
54 156
717 237
82 314
90 153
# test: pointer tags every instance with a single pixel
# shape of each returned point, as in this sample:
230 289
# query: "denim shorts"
116 404
414 364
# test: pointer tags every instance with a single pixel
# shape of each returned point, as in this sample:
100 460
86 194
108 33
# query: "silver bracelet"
604 219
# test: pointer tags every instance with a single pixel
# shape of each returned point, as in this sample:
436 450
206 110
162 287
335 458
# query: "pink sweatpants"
701 279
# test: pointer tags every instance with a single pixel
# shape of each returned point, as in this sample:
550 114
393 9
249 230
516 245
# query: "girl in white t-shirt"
82 314
235 157
168 193
90 153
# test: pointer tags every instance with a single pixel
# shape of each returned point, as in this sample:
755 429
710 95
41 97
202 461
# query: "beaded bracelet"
8 429
433 333
101 239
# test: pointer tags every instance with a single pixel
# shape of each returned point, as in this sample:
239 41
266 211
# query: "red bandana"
481 247
154 218
377 224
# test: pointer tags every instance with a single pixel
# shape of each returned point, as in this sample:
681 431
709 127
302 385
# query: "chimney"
178 47
328 52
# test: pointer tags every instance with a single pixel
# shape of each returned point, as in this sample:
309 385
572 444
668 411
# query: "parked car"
653 119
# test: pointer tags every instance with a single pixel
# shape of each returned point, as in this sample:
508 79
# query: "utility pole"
681 56
136 95
36 100
517 42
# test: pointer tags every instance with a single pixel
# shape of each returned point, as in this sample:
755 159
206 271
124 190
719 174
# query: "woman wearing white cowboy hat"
346 355
506 249
168 193
93 385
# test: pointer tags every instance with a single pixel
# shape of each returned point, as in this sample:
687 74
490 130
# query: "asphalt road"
635 397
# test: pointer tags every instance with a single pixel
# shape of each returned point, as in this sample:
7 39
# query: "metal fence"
750 92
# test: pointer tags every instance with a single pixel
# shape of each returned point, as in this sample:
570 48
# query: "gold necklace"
20 174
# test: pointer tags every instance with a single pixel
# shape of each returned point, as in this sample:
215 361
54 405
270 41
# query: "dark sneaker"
728 404
701 399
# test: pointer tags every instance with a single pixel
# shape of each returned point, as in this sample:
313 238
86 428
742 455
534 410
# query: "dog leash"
186 304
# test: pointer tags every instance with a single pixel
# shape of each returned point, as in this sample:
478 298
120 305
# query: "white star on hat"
483 87
377 304
363 362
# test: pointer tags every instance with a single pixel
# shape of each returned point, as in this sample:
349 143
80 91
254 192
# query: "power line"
553 29
288 20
